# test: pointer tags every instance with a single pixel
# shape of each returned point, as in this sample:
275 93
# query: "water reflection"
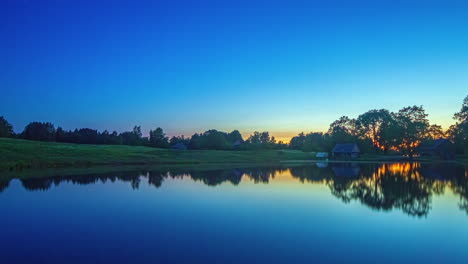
408 187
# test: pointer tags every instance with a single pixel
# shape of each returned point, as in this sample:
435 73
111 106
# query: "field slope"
20 154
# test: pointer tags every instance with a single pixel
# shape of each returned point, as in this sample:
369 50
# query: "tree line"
211 139
375 131
381 131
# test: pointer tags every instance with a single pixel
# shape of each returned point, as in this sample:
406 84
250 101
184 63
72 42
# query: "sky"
190 66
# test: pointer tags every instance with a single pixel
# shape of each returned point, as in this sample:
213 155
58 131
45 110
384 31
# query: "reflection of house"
347 150
346 170
441 147
179 146
321 164
321 155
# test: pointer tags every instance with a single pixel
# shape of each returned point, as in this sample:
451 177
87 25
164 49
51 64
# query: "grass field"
18 154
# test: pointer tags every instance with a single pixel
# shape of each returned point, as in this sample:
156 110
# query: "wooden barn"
347 150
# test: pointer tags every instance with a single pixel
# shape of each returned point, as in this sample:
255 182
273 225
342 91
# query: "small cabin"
237 143
441 148
179 146
346 150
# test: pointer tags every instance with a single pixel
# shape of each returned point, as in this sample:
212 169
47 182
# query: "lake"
315 213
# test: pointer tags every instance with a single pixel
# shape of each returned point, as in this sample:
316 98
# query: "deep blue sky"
191 66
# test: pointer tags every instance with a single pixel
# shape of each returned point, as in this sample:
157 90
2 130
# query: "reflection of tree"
341 188
411 195
261 175
4 184
155 179
460 187
216 177
408 187
343 182
311 174
36 184
389 186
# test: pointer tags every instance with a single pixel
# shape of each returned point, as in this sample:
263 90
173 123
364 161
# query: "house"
347 150
441 147
237 143
179 146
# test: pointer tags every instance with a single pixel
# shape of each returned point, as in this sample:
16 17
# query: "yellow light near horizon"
284 139
279 136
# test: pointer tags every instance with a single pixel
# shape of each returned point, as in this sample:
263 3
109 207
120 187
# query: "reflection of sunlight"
284 176
406 169
278 175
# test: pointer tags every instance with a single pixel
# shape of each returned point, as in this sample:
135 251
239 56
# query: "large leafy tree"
214 139
462 116
6 130
315 142
39 131
458 133
297 142
158 139
133 137
375 125
343 130
261 140
234 136
412 126
435 131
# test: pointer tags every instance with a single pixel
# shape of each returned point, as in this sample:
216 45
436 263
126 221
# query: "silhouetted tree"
158 139
234 136
39 131
458 133
6 130
87 136
183 140
412 126
315 142
260 140
373 125
343 130
435 131
297 142
195 141
133 138
213 139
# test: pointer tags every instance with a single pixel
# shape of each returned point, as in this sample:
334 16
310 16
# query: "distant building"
237 143
179 146
347 150
441 147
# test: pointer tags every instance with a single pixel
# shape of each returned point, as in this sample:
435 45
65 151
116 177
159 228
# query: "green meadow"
16 154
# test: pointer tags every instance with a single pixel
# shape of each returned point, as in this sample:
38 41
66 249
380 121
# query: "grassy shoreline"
17 155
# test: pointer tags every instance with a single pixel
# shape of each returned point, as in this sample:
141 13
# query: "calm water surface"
320 213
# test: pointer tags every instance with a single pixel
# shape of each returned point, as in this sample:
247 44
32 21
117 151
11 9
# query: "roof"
237 142
432 145
346 148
